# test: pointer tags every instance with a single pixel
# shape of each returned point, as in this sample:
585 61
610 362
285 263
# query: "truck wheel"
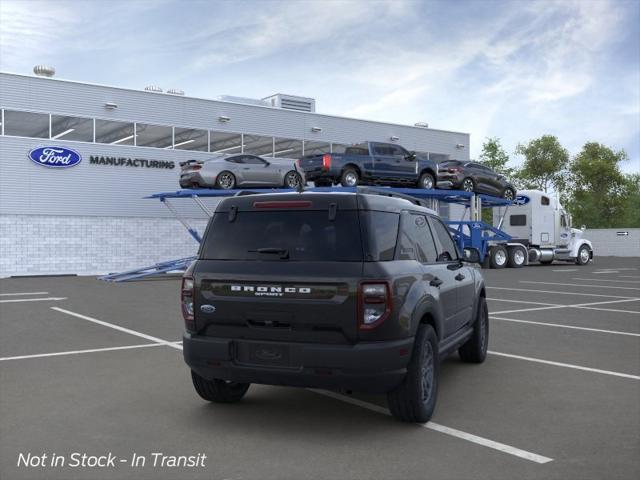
349 178
426 181
584 255
517 257
508 194
414 400
219 391
226 180
499 257
474 350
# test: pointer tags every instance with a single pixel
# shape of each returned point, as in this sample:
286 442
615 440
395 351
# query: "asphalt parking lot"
93 367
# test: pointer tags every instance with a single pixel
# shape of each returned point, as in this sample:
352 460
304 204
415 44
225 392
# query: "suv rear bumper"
364 367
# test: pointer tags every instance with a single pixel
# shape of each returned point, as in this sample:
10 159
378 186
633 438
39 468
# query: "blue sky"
511 69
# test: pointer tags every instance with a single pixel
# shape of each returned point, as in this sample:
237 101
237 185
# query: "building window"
71 128
258 145
191 139
287 148
225 143
115 133
26 124
157 136
316 148
338 148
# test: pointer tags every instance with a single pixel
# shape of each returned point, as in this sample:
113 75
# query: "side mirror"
412 156
583 227
471 255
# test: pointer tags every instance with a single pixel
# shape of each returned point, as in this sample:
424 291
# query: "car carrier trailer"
499 245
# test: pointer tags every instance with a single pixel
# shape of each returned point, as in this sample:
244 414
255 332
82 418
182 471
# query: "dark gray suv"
344 291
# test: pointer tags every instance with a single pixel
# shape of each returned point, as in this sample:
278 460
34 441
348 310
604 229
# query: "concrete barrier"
614 242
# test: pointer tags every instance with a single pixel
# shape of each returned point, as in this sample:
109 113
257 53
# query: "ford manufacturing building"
91 217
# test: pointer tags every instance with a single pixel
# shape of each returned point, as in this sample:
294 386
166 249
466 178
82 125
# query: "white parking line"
578 305
580 285
522 301
613 332
76 352
527 290
629 276
47 299
23 293
566 270
606 280
469 437
605 272
119 328
566 365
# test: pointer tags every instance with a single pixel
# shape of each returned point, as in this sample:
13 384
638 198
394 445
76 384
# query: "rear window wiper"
283 252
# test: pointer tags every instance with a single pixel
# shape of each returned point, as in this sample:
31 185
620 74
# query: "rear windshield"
451 163
284 236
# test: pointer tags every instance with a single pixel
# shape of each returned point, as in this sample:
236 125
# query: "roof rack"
389 193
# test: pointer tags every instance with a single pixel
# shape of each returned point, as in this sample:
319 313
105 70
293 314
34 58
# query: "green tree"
545 164
495 157
599 193
630 216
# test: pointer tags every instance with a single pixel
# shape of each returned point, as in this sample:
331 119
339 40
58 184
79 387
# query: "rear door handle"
436 282
459 277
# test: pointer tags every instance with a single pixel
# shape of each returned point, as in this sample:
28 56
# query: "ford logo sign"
521 200
55 157
207 308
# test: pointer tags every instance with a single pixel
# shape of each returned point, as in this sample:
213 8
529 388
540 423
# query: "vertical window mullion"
49 126
208 141
135 134
242 143
94 130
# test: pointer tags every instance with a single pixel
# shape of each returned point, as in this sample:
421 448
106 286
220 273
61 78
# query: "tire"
219 391
474 350
292 179
499 257
468 185
226 180
508 194
426 181
584 255
414 400
349 178
517 257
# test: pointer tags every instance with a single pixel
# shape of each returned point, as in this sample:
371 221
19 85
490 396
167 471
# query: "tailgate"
278 300
311 163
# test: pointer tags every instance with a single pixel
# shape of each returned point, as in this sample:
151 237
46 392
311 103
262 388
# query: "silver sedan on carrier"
243 170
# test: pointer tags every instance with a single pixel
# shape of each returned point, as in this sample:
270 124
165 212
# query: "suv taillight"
326 161
374 302
187 303
455 170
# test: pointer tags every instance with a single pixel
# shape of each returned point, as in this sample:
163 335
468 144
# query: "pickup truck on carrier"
343 291
370 163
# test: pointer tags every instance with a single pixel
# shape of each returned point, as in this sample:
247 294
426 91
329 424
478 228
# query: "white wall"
53 245
607 242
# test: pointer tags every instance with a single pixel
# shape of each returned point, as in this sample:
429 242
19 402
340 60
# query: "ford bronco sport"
357 292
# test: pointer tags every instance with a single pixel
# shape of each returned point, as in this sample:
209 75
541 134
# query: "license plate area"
263 354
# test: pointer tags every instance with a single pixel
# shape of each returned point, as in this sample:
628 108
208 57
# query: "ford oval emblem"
55 157
521 200
207 308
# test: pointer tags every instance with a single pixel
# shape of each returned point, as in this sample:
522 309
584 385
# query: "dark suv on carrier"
354 292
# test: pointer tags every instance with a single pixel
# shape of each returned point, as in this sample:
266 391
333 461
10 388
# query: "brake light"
326 161
299 162
186 297
375 303
283 204
455 170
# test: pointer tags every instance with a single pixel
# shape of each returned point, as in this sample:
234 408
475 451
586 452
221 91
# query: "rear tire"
517 257
226 180
219 391
468 185
474 350
349 178
292 180
414 400
427 181
499 257
508 194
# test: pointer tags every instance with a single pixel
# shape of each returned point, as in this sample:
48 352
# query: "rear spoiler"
189 162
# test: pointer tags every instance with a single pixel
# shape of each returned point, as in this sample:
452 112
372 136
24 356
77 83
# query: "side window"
447 249
235 159
518 220
416 241
250 159
382 149
563 221
382 234
544 201
398 151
